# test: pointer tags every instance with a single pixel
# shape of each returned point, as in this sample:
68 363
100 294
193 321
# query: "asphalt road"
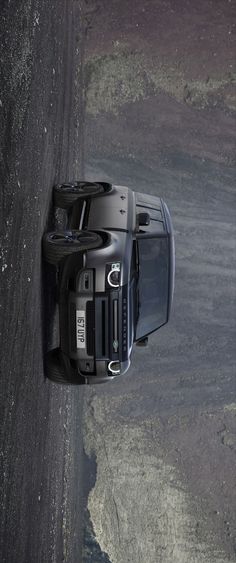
41 141
183 149
160 118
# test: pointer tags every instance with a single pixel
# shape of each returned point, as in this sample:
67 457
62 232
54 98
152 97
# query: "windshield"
152 285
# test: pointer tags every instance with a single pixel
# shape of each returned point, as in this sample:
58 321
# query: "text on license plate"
80 329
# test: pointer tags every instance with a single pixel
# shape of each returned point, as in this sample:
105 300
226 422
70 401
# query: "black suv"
115 267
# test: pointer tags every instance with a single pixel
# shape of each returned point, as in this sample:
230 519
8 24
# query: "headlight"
113 275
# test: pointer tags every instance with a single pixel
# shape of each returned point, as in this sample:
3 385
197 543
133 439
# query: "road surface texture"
41 142
160 117
140 93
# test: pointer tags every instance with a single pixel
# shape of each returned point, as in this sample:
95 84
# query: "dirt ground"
40 428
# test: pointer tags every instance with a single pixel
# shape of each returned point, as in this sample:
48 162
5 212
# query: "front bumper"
94 328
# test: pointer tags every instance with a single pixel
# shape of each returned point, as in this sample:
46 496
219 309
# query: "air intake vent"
103 328
90 328
102 323
73 327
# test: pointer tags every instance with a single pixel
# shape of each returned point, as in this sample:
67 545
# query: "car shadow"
49 306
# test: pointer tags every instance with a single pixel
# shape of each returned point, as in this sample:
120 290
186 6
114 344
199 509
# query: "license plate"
80 329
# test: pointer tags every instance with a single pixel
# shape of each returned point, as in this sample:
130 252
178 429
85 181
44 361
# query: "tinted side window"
153 284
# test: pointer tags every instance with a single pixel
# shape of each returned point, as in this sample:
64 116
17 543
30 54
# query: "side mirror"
143 219
142 342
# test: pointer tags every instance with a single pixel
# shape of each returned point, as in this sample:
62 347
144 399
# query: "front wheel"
64 195
57 245
56 371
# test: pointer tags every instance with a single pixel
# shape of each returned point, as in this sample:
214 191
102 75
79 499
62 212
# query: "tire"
56 372
59 244
64 195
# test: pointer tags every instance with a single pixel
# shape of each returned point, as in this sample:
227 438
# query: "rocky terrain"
160 117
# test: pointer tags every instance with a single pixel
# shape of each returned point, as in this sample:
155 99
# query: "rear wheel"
66 194
57 245
55 370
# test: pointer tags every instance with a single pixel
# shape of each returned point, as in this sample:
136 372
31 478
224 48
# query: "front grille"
73 327
102 327
90 328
